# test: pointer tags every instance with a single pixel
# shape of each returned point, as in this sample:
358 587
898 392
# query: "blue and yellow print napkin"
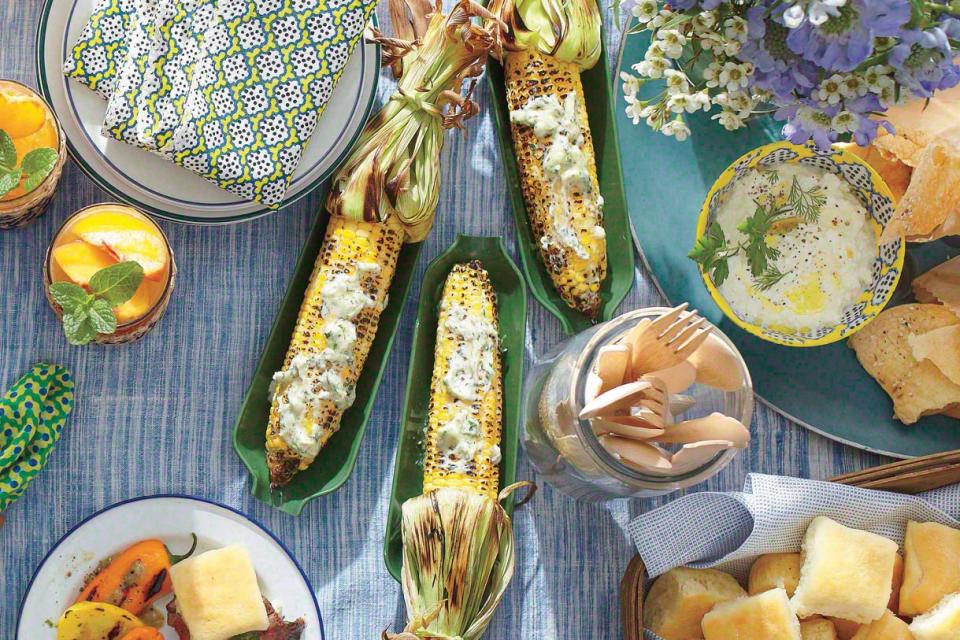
102 46
231 89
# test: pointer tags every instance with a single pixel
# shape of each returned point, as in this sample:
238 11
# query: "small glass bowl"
138 327
21 211
564 448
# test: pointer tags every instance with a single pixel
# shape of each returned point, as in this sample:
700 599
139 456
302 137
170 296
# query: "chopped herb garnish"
806 203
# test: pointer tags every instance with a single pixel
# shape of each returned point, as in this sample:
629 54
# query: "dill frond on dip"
790 247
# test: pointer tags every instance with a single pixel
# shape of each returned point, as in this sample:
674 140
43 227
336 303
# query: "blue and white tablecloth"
156 416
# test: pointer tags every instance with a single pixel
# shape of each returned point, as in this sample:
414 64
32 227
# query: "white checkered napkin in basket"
729 530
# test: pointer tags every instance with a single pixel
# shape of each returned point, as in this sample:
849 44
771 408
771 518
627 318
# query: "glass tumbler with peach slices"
89 253
32 153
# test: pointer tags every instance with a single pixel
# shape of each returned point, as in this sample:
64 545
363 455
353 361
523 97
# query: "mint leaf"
117 283
68 295
78 328
8 152
9 180
101 316
37 165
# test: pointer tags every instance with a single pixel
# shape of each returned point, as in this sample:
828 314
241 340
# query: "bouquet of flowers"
826 68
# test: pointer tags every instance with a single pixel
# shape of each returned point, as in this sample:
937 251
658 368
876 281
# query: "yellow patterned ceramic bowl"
872 192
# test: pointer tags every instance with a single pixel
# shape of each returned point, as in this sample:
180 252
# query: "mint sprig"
85 314
33 170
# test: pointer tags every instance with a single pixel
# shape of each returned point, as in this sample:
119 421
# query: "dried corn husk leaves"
917 387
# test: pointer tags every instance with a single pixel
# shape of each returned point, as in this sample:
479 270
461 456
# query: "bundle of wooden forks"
636 387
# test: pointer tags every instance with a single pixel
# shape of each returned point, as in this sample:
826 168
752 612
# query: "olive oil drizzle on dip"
790 247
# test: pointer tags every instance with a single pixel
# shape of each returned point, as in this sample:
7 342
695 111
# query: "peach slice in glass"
126 237
135 307
21 115
80 261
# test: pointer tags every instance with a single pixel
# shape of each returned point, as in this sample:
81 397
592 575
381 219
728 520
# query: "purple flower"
844 41
808 123
924 61
777 69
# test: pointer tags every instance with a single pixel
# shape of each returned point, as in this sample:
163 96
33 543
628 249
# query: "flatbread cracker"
941 284
932 201
917 388
894 172
917 124
941 347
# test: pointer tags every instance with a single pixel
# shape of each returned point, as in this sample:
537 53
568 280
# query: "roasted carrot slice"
143 633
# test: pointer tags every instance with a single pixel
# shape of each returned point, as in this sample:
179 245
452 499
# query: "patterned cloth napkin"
230 89
729 530
32 415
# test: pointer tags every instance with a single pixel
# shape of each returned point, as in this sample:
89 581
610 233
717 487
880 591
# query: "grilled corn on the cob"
558 173
457 539
335 328
466 392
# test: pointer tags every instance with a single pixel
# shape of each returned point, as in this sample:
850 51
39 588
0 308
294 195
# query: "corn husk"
394 170
458 557
568 30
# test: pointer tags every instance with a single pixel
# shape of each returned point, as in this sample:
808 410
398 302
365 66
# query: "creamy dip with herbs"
312 379
470 371
566 166
800 245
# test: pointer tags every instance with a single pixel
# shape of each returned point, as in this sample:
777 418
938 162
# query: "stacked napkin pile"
230 89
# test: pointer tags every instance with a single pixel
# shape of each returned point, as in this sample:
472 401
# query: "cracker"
894 172
941 347
917 388
932 201
941 284
917 123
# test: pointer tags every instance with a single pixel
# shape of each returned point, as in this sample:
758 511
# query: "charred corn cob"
466 391
457 539
547 44
335 328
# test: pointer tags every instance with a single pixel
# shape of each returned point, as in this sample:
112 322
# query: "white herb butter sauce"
565 164
311 379
826 262
470 371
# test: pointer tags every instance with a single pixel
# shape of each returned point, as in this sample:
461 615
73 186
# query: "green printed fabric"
32 415
101 47
232 89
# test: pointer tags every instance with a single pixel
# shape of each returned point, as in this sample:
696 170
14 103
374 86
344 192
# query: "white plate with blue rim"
172 519
159 187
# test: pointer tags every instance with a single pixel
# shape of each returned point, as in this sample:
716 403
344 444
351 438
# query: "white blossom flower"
729 120
701 100
704 21
844 121
660 19
631 84
653 68
731 47
645 11
820 11
672 42
853 86
677 128
634 108
874 76
829 90
734 76
735 28
676 81
886 90
740 101
711 74
794 16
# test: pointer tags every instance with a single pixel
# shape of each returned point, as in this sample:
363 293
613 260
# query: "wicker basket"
908 476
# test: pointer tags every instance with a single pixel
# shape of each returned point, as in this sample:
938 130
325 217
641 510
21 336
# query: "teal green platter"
512 313
823 388
337 459
598 89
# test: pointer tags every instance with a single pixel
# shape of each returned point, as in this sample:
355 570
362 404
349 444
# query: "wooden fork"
668 340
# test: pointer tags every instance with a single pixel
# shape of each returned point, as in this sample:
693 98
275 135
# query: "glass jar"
151 298
564 448
19 211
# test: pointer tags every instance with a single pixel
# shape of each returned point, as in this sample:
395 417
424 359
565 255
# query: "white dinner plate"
158 186
172 519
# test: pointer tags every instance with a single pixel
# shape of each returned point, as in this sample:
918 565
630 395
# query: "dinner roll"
888 627
940 623
817 629
774 570
766 616
846 573
931 567
679 599
846 629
